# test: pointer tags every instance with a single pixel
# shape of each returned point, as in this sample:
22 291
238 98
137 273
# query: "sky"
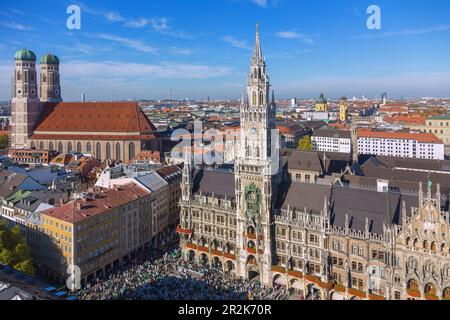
202 48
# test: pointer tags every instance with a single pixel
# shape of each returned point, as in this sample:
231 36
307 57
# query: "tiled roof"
94 117
420 137
96 203
98 136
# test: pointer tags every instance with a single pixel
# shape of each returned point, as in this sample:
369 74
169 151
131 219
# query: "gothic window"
60 147
33 145
19 76
44 77
69 147
50 146
41 145
261 98
254 98
108 151
259 73
79 148
88 147
98 151
118 155
413 285
257 152
433 247
131 151
430 288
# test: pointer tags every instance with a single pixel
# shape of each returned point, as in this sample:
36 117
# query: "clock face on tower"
253 131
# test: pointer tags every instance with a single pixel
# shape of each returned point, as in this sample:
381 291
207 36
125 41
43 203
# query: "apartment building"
400 144
332 140
96 232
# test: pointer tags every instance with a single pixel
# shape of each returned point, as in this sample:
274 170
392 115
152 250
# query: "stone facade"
323 241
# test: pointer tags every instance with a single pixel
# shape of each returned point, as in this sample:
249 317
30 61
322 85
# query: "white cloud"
16 26
261 3
124 70
237 43
293 34
131 43
406 32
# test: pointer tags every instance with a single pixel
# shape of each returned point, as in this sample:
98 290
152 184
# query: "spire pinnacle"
257 53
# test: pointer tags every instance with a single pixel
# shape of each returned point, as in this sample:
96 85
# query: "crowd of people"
171 278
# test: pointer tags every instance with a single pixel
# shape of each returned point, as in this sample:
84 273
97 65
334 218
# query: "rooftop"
96 203
420 137
102 117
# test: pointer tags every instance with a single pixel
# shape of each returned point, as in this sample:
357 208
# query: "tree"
4 142
14 250
305 144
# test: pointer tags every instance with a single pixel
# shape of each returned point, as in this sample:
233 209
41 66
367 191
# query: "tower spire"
257 53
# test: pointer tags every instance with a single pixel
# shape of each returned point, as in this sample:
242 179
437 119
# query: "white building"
332 141
400 144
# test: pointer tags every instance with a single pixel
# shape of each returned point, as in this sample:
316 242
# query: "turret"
25 107
50 88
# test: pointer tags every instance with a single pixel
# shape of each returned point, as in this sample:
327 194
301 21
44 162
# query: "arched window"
33 145
430 288
433 246
69 147
412 284
446 294
118 153
44 77
50 146
408 241
41 146
19 76
254 98
261 98
98 151
131 151
108 151
60 147
88 147
79 148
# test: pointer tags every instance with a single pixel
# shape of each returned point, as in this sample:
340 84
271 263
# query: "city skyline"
144 52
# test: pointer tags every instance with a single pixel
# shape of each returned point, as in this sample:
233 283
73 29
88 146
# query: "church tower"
343 109
255 179
322 104
25 106
50 88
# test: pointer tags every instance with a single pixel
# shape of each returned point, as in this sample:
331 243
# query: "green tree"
305 144
14 250
4 142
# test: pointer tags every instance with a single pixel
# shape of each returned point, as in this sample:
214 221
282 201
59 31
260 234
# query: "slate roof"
379 207
220 182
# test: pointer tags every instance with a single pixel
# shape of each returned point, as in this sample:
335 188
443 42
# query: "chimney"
382 186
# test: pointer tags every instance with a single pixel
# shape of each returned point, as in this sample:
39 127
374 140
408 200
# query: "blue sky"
199 48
